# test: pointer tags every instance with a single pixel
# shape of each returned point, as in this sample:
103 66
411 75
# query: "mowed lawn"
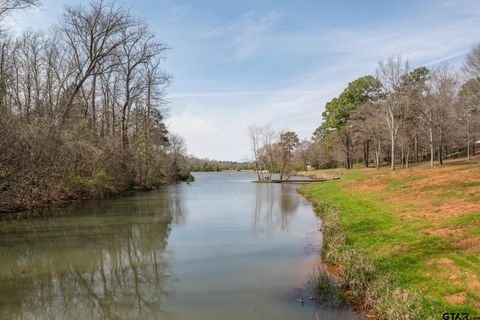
422 224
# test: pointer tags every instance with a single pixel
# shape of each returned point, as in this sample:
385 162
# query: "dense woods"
399 116
195 164
82 108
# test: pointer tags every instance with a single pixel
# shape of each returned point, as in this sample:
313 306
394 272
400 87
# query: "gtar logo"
455 316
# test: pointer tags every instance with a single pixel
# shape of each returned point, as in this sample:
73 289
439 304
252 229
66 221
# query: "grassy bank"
407 240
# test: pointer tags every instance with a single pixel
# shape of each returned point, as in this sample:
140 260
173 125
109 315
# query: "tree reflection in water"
275 205
100 260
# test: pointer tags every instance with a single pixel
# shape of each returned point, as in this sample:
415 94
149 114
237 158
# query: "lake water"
219 248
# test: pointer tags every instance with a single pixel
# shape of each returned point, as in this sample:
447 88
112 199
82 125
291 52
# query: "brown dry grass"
457 298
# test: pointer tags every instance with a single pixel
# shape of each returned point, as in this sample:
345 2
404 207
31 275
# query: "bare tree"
255 133
6 6
138 48
472 61
389 73
443 88
469 109
269 150
93 35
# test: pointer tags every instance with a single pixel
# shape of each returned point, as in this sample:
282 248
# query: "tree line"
398 116
82 108
403 115
195 164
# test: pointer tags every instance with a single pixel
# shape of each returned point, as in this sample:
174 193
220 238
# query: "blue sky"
237 63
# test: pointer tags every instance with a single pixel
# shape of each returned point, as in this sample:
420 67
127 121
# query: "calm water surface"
219 248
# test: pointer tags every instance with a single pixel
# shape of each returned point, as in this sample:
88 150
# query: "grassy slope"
421 224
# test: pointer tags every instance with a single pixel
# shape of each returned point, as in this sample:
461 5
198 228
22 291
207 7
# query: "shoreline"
335 269
41 209
338 255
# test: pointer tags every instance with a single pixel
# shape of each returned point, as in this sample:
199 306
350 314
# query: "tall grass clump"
392 302
325 290
334 237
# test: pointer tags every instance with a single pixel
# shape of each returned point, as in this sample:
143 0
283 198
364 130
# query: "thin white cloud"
247 34
448 58
218 32
253 33
249 23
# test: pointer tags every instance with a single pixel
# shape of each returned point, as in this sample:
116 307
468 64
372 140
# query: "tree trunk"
440 148
71 98
113 119
474 145
468 140
283 168
407 158
123 127
415 155
94 111
147 128
432 151
125 107
392 156
402 156
366 153
377 154
348 149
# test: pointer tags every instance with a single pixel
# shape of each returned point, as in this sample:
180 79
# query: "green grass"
398 246
404 182
464 185
472 219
